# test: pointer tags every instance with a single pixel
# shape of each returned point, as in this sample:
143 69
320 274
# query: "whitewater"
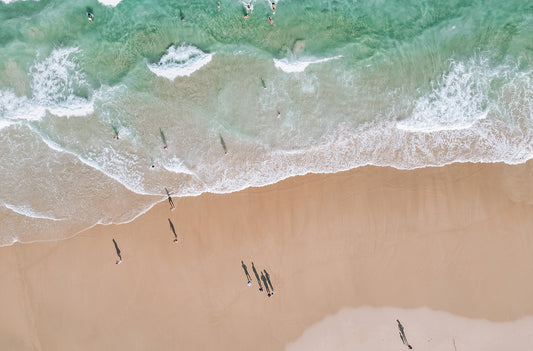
98 118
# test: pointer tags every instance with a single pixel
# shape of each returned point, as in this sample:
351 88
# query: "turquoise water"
406 84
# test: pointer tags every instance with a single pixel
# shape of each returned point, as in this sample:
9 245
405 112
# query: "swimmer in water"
90 16
245 16
270 20
273 8
218 5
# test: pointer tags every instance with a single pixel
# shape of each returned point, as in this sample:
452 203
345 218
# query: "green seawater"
394 83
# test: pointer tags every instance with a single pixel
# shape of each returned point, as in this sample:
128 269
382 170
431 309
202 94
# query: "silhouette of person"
118 252
173 230
257 277
246 272
402 335
267 276
266 284
170 200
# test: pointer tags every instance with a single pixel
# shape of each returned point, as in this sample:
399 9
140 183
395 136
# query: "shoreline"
251 187
453 239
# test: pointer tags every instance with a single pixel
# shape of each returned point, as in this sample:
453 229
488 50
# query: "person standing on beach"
173 230
119 261
170 199
266 284
267 276
247 274
402 335
257 277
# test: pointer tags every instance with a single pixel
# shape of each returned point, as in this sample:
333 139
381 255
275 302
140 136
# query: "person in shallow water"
90 16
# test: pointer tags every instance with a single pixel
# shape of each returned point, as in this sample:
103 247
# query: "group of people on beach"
265 278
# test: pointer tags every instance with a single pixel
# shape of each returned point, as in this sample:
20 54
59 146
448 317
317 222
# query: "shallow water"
405 84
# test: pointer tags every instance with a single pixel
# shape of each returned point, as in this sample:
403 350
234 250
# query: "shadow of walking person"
170 199
402 335
118 252
247 274
257 277
173 230
267 276
266 284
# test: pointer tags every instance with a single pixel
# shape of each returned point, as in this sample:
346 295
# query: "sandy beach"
445 250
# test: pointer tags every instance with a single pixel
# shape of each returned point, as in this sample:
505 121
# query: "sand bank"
455 239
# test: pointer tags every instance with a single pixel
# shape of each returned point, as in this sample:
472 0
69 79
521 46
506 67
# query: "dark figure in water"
223 144
267 276
182 16
170 199
266 284
402 335
118 252
115 129
246 272
257 277
173 230
163 139
90 16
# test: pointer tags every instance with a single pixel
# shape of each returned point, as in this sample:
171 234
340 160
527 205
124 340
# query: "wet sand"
456 240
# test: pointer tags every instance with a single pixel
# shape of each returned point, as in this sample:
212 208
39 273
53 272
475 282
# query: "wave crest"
180 61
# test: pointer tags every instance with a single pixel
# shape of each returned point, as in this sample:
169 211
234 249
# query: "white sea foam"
110 3
294 66
29 212
11 1
180 61
5 124
55 81
458 100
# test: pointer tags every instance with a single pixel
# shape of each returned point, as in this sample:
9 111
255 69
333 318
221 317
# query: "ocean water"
406 84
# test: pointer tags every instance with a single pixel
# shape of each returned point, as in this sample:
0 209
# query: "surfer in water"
273 8
90 16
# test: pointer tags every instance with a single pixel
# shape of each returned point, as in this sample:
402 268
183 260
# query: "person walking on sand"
266 284
170 200
402 335
247 274
257 277
267 276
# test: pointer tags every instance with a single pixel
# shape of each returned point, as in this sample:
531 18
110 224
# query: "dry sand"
456 239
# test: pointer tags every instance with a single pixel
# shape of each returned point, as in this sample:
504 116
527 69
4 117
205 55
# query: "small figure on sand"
246 273
279 114
173 231
267 276
270 20
119 261
257 277
402 335
170 200
266 284
223 144
163 139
